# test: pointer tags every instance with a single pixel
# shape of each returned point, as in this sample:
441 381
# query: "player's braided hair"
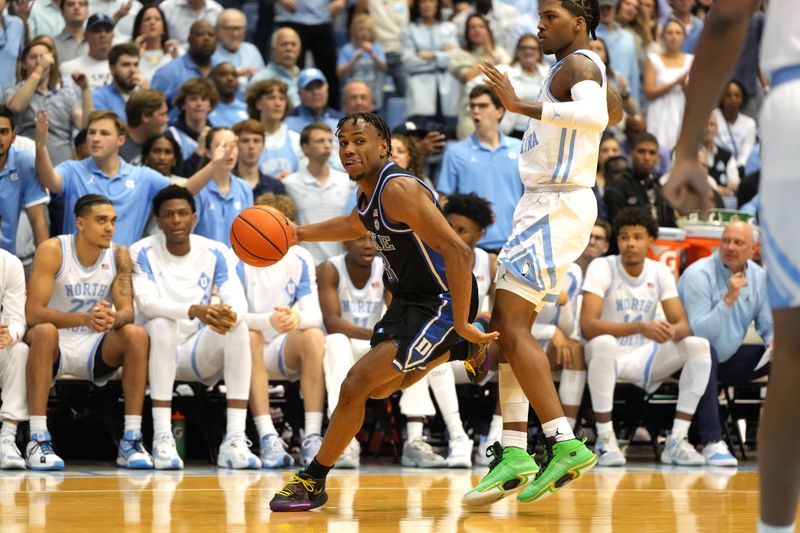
588 9
370 118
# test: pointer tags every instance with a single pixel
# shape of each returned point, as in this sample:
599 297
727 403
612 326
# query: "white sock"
604 428
514 438
414 431
264 426
680 428
454 425
496 427
558 428
765 528
571 421
133 423
162 420
236 420
9 429
313 423
38 424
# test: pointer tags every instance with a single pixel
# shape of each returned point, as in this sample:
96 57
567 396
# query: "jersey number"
82 306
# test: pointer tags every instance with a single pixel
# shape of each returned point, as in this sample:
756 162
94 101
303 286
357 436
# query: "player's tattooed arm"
122 287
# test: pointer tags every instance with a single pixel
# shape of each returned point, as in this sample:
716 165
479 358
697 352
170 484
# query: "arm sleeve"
308 296
229 288
588 110
14 298
707 312
147 295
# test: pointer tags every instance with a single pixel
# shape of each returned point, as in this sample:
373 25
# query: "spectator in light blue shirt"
12 41
130 188
723 294
221 201
232 48
196 63
230 109
486 163
123 62
283 65
621 48
313 108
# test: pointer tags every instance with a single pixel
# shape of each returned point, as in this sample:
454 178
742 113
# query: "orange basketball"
260 235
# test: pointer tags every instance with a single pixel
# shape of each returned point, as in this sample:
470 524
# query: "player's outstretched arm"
343 228
718 51
328 282
46 262
404 200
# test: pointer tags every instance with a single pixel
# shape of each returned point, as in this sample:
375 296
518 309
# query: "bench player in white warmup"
621 294
177 278
76 331
286 343
13 356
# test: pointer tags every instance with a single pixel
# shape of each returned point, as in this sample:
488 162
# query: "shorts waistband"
556 188
785 75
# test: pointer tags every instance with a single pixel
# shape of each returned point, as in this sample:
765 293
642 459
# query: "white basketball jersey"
552 156
77 289
174 283
629 299
363 307
780 44
483 274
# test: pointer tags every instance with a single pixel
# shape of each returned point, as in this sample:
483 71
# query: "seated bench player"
80 312
286 339
193 307
626 342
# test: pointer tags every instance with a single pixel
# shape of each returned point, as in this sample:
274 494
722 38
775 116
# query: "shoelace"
308 484
136 445
276 443
45 446
548 456
496 451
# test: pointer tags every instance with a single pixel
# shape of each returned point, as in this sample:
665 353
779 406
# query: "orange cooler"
670 248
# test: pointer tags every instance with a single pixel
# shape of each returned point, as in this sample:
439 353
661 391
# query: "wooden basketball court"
380 498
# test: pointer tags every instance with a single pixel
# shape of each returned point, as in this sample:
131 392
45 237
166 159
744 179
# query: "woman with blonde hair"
363 59
38 87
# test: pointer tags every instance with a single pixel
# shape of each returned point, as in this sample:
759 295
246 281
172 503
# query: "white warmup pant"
341 353
14 392
647 366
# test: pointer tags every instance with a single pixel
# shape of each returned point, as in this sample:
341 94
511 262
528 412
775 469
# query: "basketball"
260 235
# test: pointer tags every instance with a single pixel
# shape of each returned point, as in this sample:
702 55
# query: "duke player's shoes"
680 452
510 470
418 453
302 493
351 457
718 454
273 452
234 452
309 448
459 452
39 453
165 453
131 453
607 450
10 458
563 462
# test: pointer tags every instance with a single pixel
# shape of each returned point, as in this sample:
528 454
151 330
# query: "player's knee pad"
697 348
570 388
513 402
602 346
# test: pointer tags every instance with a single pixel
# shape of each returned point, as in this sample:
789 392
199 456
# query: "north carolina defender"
177 277
286 342
716 56
76 331
621 294
551 228
351 297
13 356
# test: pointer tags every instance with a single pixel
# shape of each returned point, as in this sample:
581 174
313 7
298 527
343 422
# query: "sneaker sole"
571 475
174 464
493 494
50 468
289 507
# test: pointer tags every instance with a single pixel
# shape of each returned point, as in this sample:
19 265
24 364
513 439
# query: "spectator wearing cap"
313 108
94 64
232 48
13 40
45 19
230 109
621 45
312 20
196 63
181 15
283 66
71 42
122 12
123 61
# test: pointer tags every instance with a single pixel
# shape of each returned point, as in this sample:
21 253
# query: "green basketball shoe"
510 470
563 462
